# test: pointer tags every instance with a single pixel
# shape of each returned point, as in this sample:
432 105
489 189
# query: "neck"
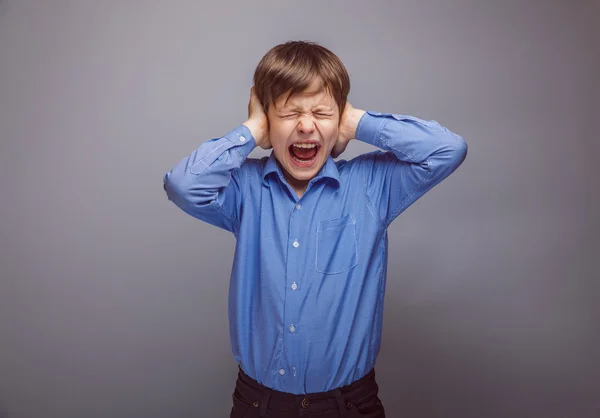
299 186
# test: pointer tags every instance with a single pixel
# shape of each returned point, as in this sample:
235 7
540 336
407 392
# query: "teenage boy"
309 271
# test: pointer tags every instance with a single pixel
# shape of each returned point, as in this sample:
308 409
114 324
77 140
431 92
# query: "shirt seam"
234 222
387 144
370 205
386 221
208 157
401 206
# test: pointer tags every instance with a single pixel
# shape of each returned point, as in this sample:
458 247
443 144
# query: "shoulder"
253 168
254 164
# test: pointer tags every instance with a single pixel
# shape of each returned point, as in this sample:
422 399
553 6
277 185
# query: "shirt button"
292 328
298 206
281 372
296 244
242 138
294 286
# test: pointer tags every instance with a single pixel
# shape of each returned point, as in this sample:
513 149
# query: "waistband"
251 392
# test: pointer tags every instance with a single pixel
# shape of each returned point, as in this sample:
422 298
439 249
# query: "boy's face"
309 119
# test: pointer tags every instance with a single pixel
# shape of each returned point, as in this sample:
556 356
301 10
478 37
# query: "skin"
312 114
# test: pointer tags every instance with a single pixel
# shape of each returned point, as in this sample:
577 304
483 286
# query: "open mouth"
304 154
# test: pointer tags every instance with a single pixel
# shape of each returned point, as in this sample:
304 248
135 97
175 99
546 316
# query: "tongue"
304 153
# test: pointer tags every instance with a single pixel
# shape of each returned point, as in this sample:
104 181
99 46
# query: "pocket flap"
336 223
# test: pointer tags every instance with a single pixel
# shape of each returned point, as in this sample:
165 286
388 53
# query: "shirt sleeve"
417 155
209 183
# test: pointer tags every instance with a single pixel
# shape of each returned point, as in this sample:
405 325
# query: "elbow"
183 192
175 188
460 149
457 154
451 155
168 185
455 149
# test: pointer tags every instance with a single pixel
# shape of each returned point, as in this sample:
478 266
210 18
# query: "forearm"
197 179
411 139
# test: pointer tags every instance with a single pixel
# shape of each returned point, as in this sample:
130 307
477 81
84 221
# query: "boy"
309 272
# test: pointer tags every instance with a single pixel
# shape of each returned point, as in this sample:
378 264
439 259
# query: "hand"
257 121
347 130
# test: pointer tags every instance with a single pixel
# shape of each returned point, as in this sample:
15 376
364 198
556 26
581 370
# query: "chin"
303 176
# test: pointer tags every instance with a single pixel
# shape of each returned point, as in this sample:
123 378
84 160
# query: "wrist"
349 123
257 131
355 118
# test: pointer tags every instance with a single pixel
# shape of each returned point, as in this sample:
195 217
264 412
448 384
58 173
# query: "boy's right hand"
257 121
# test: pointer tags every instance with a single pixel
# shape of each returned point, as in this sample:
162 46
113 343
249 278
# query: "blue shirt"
308 279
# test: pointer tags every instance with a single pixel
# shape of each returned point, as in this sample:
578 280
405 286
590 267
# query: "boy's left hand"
347 130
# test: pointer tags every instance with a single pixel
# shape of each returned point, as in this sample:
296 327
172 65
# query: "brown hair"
293 66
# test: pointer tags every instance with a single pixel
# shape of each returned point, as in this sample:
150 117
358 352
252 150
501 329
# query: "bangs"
296 66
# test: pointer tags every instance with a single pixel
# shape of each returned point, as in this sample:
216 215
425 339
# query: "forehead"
312 97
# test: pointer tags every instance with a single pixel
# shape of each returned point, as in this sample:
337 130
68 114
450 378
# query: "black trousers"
356 400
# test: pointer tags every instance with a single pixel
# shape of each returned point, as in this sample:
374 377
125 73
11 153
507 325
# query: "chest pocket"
336 245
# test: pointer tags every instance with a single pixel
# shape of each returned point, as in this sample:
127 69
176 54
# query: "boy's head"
303 88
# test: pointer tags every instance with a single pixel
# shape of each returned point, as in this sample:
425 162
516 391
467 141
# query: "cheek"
330 131
279 140
279 148
280 129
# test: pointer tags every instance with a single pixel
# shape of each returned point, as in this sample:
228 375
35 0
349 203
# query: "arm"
209 183
418 155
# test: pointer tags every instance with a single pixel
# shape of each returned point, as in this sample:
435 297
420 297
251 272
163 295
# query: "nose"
306 124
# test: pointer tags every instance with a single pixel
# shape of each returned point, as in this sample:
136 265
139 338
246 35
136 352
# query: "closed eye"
318 114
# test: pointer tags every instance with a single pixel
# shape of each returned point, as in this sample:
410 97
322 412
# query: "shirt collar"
329 170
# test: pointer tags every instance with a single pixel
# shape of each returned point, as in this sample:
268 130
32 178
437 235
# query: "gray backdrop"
113 302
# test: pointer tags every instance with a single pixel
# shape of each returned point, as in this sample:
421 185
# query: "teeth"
305 145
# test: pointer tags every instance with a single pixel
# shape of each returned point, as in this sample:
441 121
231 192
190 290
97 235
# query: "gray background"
113 302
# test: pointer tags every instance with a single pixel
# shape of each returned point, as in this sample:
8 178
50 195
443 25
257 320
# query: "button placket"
291 302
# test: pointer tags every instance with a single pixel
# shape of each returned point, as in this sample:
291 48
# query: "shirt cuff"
370 126
243 140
